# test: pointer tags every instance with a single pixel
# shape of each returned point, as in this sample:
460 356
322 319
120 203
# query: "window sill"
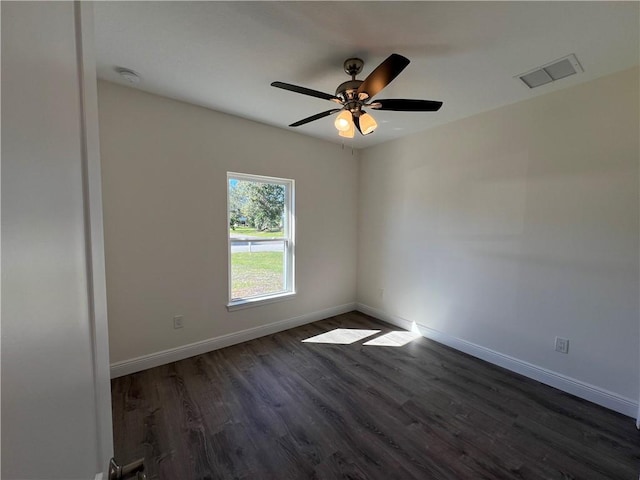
256 302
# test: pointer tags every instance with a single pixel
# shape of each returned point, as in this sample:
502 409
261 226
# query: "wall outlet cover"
562 345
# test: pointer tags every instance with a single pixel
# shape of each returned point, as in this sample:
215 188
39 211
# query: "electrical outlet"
562 345
381 293
178 321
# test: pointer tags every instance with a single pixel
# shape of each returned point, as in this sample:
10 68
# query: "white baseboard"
384 316
156 359
594 394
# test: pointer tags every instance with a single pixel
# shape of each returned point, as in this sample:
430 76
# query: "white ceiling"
224 55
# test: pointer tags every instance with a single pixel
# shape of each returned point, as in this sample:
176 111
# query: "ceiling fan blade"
306 91
404 105
383 75
317 116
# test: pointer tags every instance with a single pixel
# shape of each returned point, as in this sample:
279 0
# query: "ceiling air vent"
551 72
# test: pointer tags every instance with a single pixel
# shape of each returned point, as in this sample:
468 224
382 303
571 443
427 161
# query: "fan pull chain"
351 148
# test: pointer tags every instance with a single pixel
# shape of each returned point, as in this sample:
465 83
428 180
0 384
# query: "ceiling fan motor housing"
348 87
348 93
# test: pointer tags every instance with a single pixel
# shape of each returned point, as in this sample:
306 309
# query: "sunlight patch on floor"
342 336
393 339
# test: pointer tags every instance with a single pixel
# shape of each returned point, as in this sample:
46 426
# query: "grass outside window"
249 232
257 273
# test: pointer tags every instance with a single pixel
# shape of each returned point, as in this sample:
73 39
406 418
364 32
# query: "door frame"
94 231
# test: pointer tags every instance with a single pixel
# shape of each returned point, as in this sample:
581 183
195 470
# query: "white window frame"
289 243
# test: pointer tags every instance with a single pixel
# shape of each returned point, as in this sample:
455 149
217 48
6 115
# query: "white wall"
514 226
50 426
164 166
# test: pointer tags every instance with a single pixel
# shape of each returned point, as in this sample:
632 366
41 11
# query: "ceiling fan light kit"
349 132
343 121
353 94
367 123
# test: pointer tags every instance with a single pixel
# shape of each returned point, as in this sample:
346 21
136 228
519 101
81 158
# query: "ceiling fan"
353 96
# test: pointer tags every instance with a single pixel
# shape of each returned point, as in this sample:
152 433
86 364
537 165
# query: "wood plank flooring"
278 408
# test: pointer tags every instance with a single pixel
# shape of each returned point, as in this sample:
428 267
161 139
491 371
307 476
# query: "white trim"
92 198
385 317
258 301
584 390
252 177
144 362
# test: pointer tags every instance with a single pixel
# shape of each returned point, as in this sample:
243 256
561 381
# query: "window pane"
257 269
256 209
259 239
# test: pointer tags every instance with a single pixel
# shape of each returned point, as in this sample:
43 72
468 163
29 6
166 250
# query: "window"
261 241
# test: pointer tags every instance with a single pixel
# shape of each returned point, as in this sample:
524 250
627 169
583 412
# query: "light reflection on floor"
347 336
342 336
393 339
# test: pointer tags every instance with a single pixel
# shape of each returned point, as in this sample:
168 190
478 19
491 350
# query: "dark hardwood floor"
277 408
